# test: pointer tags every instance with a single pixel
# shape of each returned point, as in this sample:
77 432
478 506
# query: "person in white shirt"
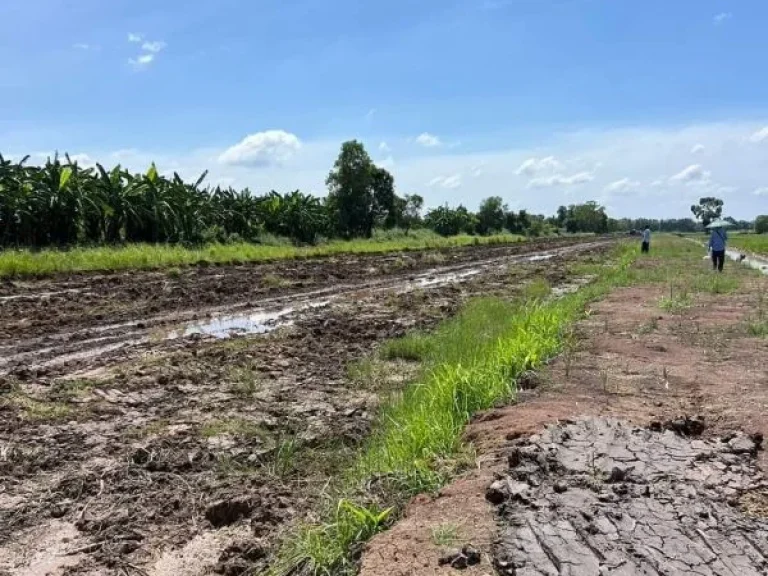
645 247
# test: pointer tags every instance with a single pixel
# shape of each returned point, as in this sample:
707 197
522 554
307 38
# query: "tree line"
62 203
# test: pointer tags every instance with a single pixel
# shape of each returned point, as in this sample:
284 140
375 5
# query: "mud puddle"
599 496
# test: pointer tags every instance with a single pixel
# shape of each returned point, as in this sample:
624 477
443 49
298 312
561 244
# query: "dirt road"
158 423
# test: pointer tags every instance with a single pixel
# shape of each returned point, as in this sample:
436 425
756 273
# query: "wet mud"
599 496
62 322
192 455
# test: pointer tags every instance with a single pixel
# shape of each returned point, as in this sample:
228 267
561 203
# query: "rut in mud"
603 497
55 325
188 455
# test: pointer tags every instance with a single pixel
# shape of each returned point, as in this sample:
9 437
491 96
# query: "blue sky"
643 106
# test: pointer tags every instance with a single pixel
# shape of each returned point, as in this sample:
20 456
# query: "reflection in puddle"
540 257
251 323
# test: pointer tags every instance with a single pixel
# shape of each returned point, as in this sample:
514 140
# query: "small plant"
273 281
651 326
445 535
245 382
413 347
233 426
539 289
69 389
676 304
758 328
329 548
284 460
41 411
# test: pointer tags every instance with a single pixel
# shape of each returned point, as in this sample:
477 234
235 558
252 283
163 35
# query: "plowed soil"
135 441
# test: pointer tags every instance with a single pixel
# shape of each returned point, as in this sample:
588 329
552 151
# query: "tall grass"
470 364
757 243
150 256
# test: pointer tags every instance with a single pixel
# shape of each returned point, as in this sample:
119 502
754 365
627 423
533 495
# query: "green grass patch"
676 303
238 427
757 243
149 256
273 281
758 328
469 363
538 289
412 347
445 535
41 411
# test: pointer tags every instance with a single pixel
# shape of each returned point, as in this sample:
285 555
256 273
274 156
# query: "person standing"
645 247
718 238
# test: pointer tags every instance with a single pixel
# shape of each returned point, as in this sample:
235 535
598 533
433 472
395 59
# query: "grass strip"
151 256
470 363
756 243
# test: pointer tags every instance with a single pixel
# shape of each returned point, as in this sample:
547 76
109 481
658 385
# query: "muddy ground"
688 496
134 441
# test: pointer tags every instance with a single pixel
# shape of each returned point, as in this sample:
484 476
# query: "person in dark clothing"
645 247
718 239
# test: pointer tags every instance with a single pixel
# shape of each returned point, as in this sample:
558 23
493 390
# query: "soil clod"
461 559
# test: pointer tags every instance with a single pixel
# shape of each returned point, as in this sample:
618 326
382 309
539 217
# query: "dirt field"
137 439
636 488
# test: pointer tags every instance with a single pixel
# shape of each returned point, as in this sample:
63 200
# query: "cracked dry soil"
600 496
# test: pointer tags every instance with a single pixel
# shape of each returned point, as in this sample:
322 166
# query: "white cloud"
691 175
657 184
142 62
697 149
533 166
759 136
763 191
371 113
384 147
428 140
560 180
387 163
448 182
722 17
478 169
262 149
136 38
84 46
154 47
623 186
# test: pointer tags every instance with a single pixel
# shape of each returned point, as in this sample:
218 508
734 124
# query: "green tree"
587 217
490 216
708 210
385 205
451 221
761 224
358 191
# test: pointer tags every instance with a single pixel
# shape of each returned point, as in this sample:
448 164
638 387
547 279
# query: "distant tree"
708 210
412 211
587 217
490 216
384 198
451 221
562 216
358 191
761 225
